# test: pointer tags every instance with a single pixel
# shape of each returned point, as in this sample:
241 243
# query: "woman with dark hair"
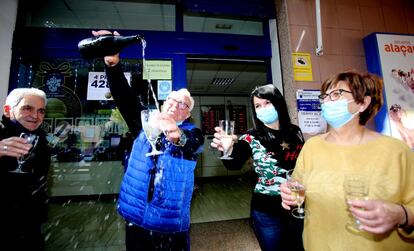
273 144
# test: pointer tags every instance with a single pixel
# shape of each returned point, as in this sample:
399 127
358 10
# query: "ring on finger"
5 148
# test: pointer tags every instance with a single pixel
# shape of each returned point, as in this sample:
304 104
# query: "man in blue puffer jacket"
156 191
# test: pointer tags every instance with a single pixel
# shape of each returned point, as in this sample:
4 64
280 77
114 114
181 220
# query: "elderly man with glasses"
156 191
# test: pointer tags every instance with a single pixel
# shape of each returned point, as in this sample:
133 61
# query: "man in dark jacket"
23 208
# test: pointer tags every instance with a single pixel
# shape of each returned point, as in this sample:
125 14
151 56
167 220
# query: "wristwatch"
182 140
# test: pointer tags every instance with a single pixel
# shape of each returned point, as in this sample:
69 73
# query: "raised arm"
125 99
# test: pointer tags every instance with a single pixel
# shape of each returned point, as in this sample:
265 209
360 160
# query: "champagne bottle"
105 45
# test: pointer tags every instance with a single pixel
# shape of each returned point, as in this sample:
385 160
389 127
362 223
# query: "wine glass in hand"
298 191
226 137
151 129
30 139
355 188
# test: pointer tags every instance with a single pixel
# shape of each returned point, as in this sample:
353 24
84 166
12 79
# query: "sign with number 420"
98 88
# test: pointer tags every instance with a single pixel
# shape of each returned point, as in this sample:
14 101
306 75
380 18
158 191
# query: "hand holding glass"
151 129
355 188
298 191
226 137
30 139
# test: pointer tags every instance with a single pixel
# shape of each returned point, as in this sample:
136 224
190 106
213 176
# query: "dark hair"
271 93
361 85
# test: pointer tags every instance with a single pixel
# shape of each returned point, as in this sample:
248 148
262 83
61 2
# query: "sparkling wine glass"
226 137
298 191
30 139
355 188
151 129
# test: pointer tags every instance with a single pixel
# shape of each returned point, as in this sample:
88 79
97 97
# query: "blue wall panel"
63 43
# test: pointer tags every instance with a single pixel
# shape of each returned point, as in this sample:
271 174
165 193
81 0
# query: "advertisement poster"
309 112
396 62
98 88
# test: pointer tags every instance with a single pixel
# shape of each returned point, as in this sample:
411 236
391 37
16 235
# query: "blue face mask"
267 115
336 112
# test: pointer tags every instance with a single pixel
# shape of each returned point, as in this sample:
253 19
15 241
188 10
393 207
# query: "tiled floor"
221 200
219 215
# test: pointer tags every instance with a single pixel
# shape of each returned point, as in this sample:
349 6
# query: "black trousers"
23 236
138 238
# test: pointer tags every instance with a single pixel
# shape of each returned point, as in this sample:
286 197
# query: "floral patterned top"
266 167
273 155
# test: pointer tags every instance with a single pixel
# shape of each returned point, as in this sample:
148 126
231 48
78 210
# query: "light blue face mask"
336 112
267 114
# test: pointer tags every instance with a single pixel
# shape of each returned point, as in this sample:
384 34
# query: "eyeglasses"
333 95
181 104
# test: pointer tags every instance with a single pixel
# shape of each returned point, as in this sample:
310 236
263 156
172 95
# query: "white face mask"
336 112
267 115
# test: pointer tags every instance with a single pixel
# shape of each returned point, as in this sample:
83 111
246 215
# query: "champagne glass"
226 137
151 129
355 188
298 191
30 139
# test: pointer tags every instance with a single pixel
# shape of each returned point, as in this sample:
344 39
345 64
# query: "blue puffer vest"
169 208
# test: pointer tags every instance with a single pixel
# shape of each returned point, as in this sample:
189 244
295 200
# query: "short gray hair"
15 96
183 92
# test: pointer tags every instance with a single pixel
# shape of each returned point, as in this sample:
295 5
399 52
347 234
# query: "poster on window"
392 57
98 88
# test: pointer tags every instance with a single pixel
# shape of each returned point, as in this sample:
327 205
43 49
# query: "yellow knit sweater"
388 164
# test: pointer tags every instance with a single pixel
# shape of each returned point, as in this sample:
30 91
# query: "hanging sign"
157 69
302 67
98 88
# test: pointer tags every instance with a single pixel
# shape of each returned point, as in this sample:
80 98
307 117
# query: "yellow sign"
302 66
157 69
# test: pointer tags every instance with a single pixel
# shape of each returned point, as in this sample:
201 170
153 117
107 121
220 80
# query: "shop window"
88 137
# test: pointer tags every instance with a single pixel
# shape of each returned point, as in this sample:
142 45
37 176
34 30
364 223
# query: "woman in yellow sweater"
385 218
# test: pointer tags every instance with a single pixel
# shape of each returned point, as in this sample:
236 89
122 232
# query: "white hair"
16 95
183 92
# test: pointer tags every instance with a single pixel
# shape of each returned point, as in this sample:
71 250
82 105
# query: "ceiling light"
224 26
222 81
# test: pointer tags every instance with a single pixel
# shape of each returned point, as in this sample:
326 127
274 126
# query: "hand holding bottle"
104 43
113 59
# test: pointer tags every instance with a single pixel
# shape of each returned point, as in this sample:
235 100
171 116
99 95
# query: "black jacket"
24 196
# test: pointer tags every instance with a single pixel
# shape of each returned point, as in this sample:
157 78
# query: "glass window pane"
88 137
